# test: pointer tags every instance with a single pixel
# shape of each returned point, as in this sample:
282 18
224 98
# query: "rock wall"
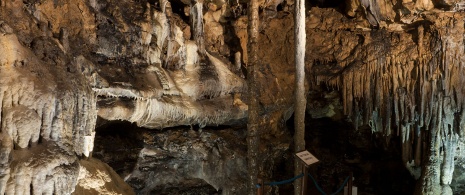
160 64
96 177
175 158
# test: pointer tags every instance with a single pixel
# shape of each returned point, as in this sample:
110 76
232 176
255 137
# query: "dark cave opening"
118 143
377 168
340 4
178 8
201 188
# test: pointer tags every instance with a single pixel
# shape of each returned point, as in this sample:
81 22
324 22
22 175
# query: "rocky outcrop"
175 158
96 177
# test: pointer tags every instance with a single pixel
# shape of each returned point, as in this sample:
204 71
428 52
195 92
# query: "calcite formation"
44 116
396 66
187 85
401 83
67 62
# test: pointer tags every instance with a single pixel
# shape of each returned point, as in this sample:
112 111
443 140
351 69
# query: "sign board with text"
307 157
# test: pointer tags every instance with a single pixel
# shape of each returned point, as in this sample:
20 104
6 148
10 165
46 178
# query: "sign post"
304 180
349 185
308 159
260 189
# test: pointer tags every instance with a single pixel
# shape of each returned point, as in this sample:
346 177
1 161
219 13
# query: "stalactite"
417 88
197 24
418 146
357 116
349 93
172 30
388 110
367 93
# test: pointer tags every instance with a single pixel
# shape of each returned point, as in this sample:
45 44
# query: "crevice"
123 156
179 8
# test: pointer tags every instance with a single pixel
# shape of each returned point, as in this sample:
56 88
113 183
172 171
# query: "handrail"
301 175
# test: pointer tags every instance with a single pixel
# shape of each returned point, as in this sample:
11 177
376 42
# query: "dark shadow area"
377 168
202 188
327 3
118 143
338 5
178 8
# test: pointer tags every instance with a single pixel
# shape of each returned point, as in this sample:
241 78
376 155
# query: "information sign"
307 157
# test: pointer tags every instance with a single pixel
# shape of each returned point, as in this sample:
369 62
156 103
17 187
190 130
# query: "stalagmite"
237 60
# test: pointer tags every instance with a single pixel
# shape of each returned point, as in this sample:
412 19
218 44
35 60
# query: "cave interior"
154 96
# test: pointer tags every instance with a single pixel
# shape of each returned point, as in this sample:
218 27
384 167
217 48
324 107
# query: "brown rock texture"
394 67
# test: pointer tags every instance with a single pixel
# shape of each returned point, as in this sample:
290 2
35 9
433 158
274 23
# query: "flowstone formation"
164 79
46 120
